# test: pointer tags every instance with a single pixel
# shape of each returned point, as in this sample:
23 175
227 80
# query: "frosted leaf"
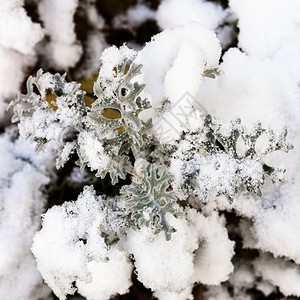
212 165
55 110
147 199
41 123
115 90
91 152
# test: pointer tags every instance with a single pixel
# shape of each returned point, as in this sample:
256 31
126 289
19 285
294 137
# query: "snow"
265 90
217 293
172 13
275 32
262 92
243 276
13 65
281 273
26 34
17 48
63 51
266 287
185 53
162 265
199 251
186 71
91 152
184 295
78 247
107 278
70 248
112 57
95 45
166 46
213 258
21 204
134 16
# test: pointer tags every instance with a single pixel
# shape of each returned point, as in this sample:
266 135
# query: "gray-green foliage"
127 101
127 132
100 142
148 198
213 165
39 122
209 160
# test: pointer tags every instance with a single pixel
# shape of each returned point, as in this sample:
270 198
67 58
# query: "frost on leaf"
42 121
123 97
148 199
55 110
212 164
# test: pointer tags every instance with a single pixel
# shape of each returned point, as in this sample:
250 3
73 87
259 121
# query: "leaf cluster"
217 147
149 197
102 143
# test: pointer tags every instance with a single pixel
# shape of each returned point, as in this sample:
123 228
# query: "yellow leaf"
88 100
51 99
88 84
111 113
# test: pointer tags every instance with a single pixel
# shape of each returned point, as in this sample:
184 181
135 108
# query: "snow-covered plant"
101 143
147 199
164 167
163 187
212 164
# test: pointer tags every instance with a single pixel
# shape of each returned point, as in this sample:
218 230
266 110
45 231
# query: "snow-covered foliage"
206 162
22 41
183 154
76 243
205 170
